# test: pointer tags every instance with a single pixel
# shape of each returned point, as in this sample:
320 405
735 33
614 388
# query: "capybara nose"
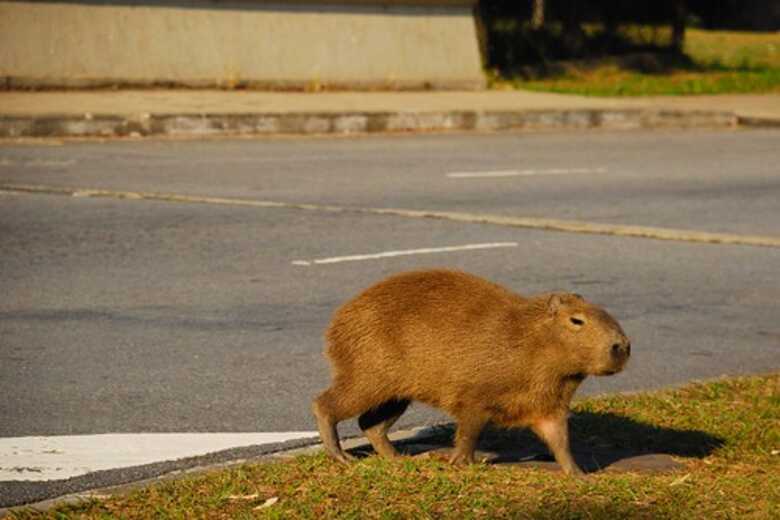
621 349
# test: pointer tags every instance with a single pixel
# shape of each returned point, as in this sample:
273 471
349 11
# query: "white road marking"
60 457
388 254
523 173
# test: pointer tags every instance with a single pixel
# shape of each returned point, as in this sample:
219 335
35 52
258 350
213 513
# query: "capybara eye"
576 321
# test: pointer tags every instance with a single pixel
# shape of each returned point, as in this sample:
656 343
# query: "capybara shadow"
599 441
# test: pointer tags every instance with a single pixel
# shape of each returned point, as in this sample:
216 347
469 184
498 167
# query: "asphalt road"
146 316
714 181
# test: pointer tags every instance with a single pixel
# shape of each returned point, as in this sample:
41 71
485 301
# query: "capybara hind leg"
466 438
327 421
555 433
376 422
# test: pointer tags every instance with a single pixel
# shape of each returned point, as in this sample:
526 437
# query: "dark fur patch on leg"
381 413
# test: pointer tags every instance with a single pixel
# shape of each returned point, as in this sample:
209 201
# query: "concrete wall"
353 44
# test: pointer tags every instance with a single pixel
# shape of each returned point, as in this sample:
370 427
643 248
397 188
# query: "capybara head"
591 340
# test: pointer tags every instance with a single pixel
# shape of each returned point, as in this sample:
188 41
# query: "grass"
726 433
732 49
614 81
719 62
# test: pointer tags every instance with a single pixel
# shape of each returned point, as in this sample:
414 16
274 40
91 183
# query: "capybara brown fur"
469 347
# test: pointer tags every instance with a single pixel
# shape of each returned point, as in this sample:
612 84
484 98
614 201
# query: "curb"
345 123
190 466
758 122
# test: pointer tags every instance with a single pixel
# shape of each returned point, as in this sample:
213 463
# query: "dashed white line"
523 173
388 254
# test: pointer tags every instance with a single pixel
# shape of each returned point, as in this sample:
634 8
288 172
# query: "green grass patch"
733 49
613 81
719 62
736 474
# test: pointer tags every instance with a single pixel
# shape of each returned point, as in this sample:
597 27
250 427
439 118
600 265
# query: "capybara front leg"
466 438
554 431
326 423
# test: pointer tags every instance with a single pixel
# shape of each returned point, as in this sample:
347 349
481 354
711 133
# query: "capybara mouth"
611 371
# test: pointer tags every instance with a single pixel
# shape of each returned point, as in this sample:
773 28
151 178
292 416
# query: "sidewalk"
109 113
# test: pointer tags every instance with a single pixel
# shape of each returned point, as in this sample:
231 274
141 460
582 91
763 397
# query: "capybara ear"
554 303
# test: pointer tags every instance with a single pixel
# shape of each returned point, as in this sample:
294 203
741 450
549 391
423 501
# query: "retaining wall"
240 43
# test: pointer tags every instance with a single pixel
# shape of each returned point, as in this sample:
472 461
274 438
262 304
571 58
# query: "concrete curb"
758 122
345 123
190 467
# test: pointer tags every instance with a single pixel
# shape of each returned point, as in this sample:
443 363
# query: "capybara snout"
469 347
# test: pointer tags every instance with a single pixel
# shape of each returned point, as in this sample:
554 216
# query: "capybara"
469 347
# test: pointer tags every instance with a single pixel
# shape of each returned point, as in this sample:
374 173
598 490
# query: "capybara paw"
347 458
342 457
433 455
461 458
